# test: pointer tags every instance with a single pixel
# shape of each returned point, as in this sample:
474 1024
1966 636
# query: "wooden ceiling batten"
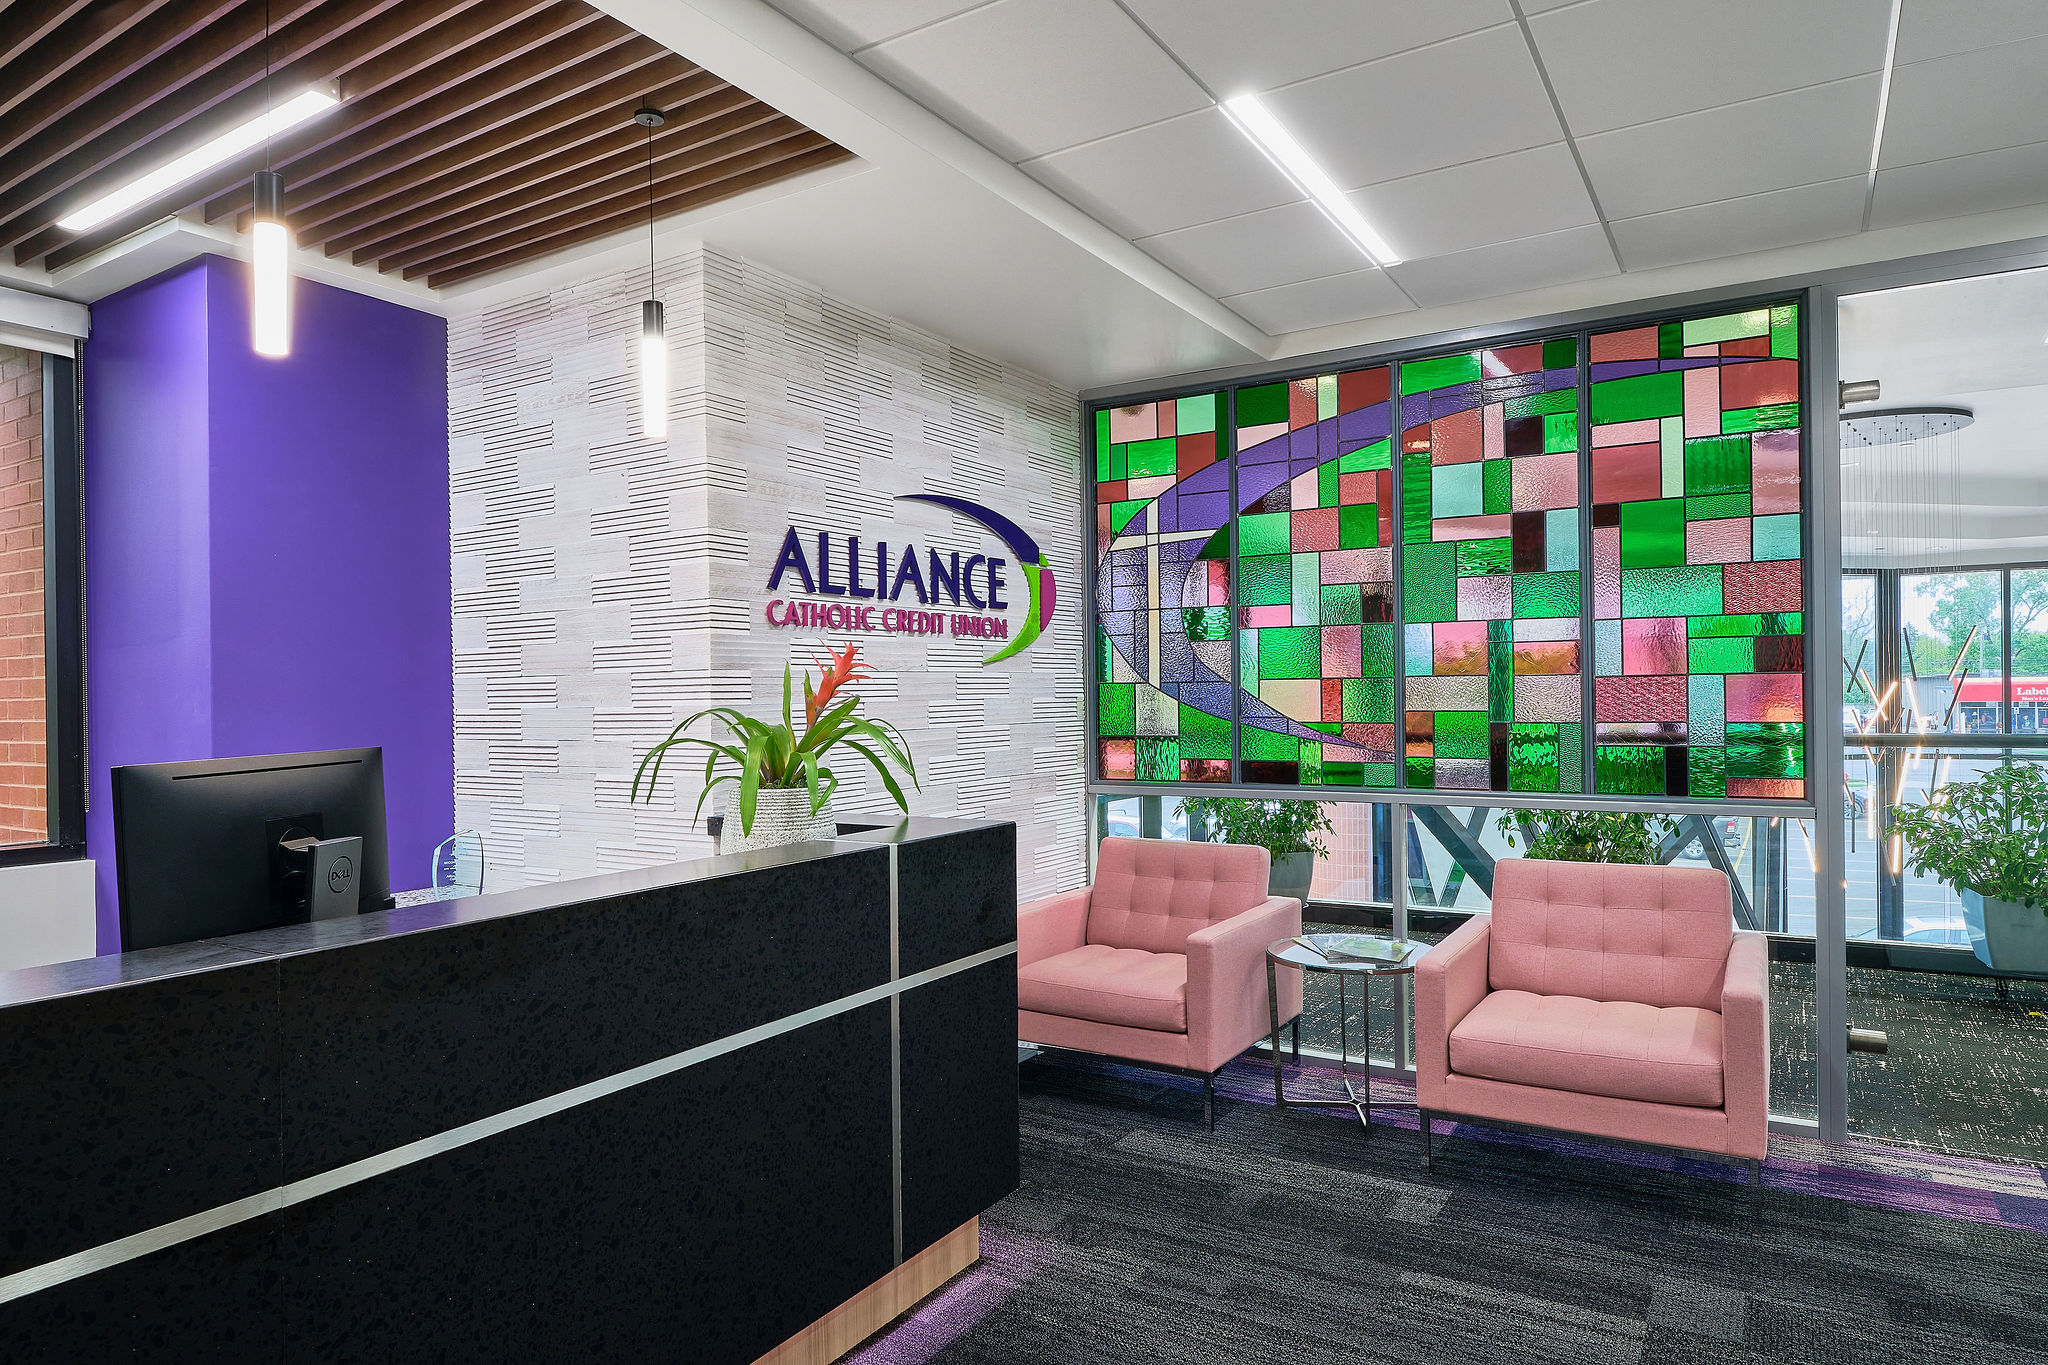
472 134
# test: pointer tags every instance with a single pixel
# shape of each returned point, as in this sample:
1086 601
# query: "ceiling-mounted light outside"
653 339
1279 145
270 321
226 147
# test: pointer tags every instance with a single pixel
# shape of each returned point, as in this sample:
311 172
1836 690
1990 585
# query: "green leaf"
750 785
880 767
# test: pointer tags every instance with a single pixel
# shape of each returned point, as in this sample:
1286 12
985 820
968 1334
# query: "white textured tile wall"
605 587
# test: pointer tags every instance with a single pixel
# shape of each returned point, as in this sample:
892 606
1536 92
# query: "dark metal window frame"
63 617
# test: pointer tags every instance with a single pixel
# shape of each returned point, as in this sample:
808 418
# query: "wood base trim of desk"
882 1302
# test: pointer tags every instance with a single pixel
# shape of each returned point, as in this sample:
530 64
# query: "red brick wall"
24 777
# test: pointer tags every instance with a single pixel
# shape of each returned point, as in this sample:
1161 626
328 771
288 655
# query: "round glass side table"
1289 952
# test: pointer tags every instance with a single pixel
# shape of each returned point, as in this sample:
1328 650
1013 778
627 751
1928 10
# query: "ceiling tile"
1508 267
851 24
1937 28
1235 47
1320 303
2006 179
1975 102
1541 6
1257 250
1618 62
1799 138
1705 232
1175 174
1028 77
1500 199
1472 97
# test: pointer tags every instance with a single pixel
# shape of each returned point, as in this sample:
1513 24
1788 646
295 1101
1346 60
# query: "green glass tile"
1774 537
1158 759
1458 490
1652 533
1706 711
1671 456
1686 590
1439 371
1561 432
1629 769
1721 655
1495 490
1119 461
1218 545
1571 757
1341 605
1358 526
1421 772
1265 580
1429 585
1311 774
1290 652
1533 758
1782 623
1152 459
1369 700
1477 558
1706 772
1264 533
1206 623
1560 353
1103 464
1415 497
1785 331
1461 734
1203 735
1766 418
1537 404
1262 405
1639 396
1366 459
1104 652
1378 657
1546 596
1255 743
1717 465
1337 774
1326 397
1326 484
1500 672
1376 775
1102 429
1307 593
1766 749
1709 626
1561 539
1116 709
1194 415
1327 727
1670 341
1713 509
1755 322
1120 514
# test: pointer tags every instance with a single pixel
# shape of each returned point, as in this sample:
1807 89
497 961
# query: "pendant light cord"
650 209
266 84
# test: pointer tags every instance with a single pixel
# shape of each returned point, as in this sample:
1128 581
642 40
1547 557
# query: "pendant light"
270 323
653 339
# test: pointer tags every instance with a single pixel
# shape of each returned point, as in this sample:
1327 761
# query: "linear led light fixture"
1297 165
226 147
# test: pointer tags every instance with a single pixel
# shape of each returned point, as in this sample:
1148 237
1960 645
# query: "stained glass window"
1697 541
1162 592
1490 569
1315 581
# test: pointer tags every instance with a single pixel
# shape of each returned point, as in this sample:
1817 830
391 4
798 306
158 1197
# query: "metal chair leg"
1297 1040
1209 1102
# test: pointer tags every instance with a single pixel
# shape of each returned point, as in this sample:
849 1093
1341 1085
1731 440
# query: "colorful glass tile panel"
1162 659
1315 607
1490 571
1697 537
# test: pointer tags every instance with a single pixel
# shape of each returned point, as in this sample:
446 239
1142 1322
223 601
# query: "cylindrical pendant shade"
653 373
270 327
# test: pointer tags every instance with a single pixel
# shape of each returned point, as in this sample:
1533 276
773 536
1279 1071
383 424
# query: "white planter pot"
781 816
2008 938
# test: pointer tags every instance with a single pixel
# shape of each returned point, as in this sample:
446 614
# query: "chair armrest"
1227 981
1057 924
1449 981
1746 1042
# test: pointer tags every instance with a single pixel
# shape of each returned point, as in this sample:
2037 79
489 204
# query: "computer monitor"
229 845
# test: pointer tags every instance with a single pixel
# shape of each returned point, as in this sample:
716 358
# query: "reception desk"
681 1113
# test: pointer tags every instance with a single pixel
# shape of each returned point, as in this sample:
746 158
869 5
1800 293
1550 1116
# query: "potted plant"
1586 836
1288 830
1989 840
781 786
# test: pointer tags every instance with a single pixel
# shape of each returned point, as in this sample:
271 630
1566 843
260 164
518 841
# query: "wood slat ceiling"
472 135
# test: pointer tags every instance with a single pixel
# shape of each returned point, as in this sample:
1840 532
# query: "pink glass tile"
1148 488
1304 490
1638 343
1460 647
1219 582
1249 438
1251 618
1140 423
1639 699
1420 733
1119 758
1344 753
1495 443
1725 541
1301 403
1296 698
1626 433
1537 658
1607 572
1771 586
1167 410
1355 490
1654 645
1377 739
1315 529
1524 359
1333 699
1703 402
1455 439
1707 351
1774 469
1344 566
1341 656
1765 696
1544 481
1470 528
1788 788
1485 599
1205 770
1627 473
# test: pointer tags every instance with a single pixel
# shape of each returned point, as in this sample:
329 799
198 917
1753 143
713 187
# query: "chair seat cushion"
1124 986
1593 1047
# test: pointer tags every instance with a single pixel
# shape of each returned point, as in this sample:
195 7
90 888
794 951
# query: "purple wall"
267 544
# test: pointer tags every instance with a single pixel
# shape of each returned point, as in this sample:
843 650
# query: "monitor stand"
332 869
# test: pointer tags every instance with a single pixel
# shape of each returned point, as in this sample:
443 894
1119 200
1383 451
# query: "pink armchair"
1162 961
1614 1001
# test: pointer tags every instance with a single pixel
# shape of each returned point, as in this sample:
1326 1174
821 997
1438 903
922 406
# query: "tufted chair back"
1152 893
1652 935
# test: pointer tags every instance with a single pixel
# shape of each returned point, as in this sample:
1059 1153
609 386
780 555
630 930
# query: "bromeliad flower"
844 668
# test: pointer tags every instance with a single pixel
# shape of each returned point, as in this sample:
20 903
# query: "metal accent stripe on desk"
81 1263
